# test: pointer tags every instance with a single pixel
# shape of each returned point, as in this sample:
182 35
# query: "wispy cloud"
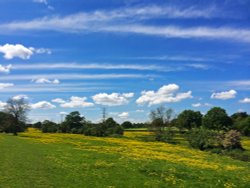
128 20
44 2
173 58
46 81
106 66
236 34
76 76
5 85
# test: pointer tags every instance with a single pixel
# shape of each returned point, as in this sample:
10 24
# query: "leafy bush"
244 126
106 128
165 136
202 138
49 127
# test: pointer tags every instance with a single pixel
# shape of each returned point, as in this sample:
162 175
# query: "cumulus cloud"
11 51
5 85
166 94
76 102
19 97
123 115
2 105
42 105
5 69
113 99
46 81
58 100
245 100
224 95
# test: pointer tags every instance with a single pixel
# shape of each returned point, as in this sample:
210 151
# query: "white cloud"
224 95
42 105
123 115
2 105
45 2
5 69
41 1
100 18
76 102
11 51
166 94
19 97
129 20
41 50
245 100
140 111
58 100
72 76
113 99
196 105
5 85
63 113
45 81
105 66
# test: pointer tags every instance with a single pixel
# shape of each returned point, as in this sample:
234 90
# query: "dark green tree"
244 126
217 119
189 119
127 125
49 127
6 122
73 123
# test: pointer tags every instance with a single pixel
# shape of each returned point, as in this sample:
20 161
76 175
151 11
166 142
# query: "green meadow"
35 159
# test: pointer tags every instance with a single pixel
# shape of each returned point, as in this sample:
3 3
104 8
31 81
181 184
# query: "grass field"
35 159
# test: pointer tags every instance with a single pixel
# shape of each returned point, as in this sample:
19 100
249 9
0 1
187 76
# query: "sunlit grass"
77 160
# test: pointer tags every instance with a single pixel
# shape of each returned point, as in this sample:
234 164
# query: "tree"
244 126
74 123
37 125
111 127
127 125
161 122
49 127
6 122
238 116
161 118
18 108
189 119
217 119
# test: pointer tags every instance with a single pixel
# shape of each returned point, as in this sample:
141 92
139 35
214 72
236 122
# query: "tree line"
214 131
14 117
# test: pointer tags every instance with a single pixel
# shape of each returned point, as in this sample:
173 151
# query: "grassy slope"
34 159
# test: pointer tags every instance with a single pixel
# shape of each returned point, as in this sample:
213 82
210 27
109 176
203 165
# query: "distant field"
35 159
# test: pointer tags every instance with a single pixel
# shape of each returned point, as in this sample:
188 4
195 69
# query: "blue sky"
129 56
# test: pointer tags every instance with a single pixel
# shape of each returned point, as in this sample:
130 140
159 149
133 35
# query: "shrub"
244 126
165 136
231 140
49 127
202 138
